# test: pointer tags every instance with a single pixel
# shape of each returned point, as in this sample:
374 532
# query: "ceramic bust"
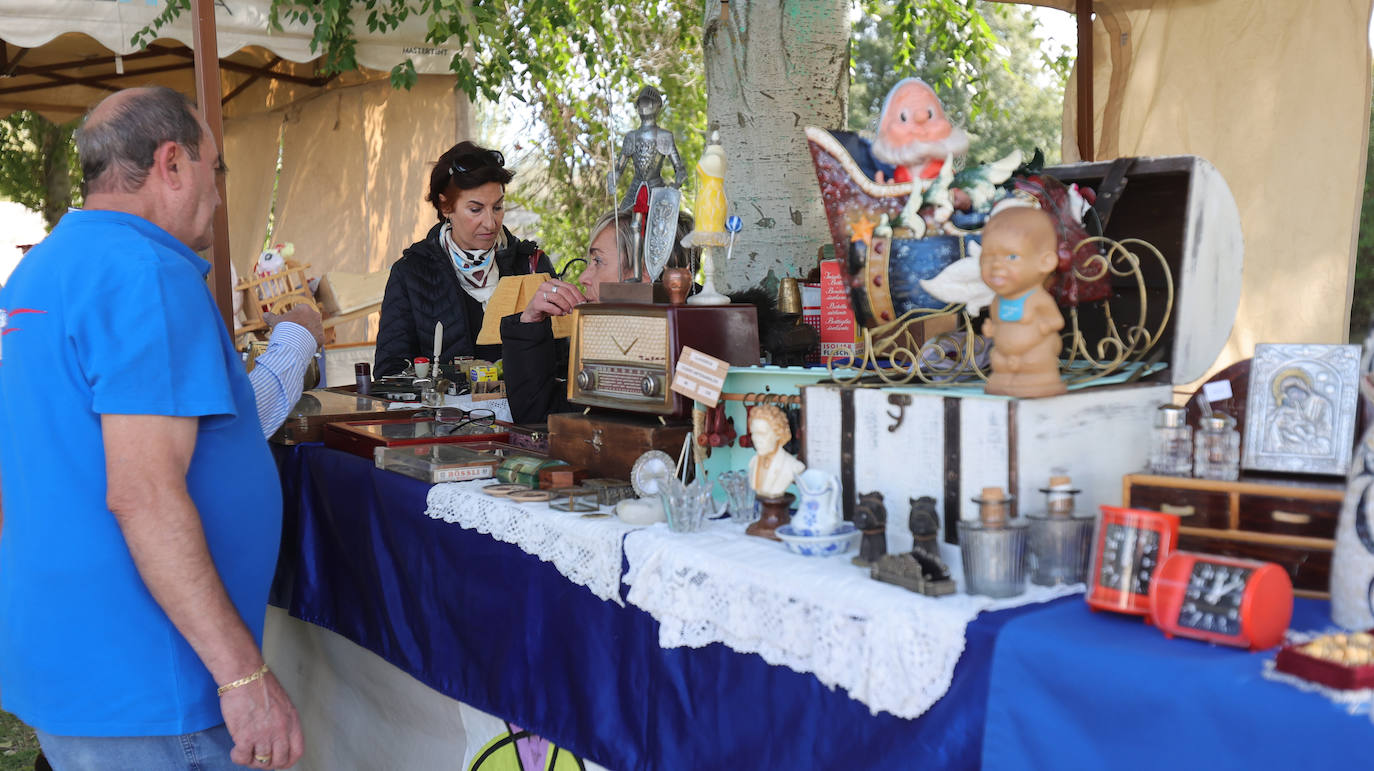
1019 253
772 469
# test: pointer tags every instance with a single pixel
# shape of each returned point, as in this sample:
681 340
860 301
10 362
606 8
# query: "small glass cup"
685 506
739 497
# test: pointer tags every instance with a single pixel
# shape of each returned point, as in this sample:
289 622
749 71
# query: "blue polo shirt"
111 315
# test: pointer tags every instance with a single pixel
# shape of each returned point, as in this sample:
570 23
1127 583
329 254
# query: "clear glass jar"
1217 448
1171 443
1060 541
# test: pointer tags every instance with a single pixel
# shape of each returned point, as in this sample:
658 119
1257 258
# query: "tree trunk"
53 142
774 67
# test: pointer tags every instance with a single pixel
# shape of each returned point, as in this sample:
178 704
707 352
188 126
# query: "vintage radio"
623 356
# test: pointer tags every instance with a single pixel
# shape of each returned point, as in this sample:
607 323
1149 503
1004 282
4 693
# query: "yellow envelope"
512 294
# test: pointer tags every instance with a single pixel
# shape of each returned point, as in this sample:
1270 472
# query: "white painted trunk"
772 68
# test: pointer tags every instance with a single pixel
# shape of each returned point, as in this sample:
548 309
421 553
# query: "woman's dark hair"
466 165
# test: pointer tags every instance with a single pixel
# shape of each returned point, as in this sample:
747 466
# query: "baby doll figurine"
1019 252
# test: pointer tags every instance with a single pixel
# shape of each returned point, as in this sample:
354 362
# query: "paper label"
1217 391
699 376
839 332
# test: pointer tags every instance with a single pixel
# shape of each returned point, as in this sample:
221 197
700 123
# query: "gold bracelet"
242 681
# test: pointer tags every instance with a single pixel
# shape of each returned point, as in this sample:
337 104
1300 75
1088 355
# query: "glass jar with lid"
1171 442
1217 448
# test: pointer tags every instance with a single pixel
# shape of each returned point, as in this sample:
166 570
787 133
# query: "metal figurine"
647 146
921 570
870 516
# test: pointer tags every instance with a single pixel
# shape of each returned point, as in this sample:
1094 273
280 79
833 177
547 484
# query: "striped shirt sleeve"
279 374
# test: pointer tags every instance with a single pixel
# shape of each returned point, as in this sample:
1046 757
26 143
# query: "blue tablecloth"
1076 689
487 624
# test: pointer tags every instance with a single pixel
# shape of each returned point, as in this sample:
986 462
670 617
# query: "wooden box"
950 443
1287 521
362 437
1182 206
608 444
306 421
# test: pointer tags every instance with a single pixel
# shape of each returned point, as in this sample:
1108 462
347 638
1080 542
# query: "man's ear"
169 164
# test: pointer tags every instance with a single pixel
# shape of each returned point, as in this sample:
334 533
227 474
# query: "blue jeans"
206 750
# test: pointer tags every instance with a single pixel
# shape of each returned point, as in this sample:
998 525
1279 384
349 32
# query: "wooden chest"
608 444
950 443
1290 522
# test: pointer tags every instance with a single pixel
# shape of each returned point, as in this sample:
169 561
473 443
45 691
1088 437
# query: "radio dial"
586 380
649 386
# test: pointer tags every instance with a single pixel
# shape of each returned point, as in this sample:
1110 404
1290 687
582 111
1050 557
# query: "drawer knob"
1290 517
1178 511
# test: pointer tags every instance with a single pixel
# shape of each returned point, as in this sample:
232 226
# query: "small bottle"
362 372
1171 443
1217 448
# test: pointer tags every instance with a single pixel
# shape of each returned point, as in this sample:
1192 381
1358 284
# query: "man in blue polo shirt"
142 510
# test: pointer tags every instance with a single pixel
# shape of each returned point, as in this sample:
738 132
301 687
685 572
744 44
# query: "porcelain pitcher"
818 513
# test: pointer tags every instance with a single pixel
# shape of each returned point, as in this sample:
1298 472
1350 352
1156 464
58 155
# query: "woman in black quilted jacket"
450 275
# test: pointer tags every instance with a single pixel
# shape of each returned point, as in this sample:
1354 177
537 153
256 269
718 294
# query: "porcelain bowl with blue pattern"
838 542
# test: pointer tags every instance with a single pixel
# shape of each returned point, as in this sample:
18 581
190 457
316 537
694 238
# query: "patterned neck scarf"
477 271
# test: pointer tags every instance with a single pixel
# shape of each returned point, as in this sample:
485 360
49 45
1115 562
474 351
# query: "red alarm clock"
1129 545
1222 600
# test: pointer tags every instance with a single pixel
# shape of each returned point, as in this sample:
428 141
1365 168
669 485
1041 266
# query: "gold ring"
262 758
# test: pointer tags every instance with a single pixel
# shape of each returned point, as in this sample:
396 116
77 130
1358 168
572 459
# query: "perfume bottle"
993 547
1171 443
1060 541
1217 448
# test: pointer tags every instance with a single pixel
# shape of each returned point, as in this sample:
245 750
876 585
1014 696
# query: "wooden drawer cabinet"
1289 522
1194 508
1311 517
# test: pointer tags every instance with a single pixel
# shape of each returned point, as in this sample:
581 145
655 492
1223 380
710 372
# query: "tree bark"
53 142
774 67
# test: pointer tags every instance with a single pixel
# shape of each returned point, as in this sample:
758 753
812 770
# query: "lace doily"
586 551
891 649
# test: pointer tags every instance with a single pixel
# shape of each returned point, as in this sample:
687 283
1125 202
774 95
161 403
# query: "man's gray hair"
117 152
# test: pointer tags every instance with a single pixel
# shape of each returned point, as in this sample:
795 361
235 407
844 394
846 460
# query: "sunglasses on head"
468 162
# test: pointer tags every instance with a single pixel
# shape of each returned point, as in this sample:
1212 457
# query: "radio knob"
586 380
649 386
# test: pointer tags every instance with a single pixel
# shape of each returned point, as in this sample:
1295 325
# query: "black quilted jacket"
423 288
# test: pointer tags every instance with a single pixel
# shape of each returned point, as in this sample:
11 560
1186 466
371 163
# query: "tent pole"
207 96
1085 80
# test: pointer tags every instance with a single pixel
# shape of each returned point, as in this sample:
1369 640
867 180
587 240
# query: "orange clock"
1222 600
1129 546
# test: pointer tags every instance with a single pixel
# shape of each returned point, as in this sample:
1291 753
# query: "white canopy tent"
355 153
1277 97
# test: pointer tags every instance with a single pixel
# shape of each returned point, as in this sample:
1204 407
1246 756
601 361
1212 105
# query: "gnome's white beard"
916 153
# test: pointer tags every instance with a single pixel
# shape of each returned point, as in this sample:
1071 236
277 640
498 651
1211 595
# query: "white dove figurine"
961 282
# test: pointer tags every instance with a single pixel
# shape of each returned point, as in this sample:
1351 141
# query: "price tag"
699 376
1217 391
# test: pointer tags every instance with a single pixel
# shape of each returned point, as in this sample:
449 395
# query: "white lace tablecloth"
891 649
586 551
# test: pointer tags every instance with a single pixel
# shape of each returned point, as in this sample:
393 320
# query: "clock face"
1211 601
1129 558
624 338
